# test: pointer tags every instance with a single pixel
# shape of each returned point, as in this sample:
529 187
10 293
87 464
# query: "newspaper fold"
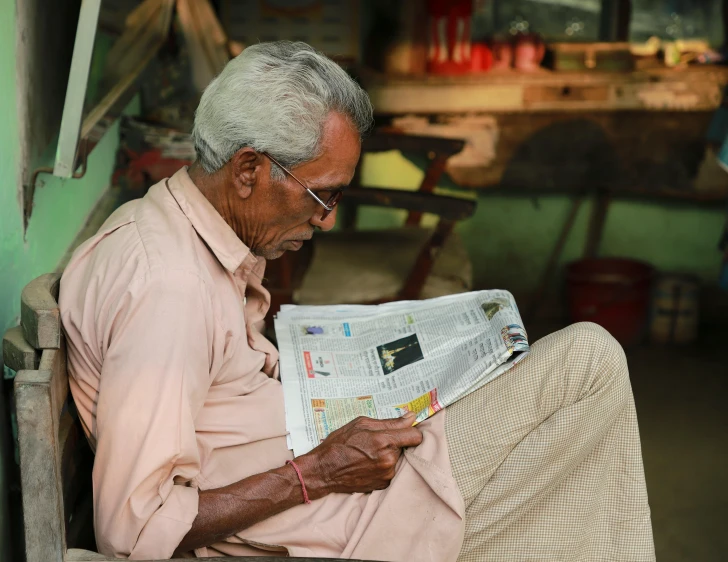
339 362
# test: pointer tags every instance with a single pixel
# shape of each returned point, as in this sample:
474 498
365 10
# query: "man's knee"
593 335
607 355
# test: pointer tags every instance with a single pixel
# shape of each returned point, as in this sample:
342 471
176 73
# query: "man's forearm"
222 512
358 457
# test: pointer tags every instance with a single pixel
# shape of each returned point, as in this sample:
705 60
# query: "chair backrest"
55 460
437 150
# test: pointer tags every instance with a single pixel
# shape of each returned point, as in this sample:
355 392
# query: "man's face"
283 213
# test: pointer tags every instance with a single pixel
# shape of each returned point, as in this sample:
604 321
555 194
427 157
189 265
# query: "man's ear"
246 171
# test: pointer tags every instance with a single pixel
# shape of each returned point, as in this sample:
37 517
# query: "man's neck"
212 187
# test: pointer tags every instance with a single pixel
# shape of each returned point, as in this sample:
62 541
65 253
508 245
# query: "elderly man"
179 393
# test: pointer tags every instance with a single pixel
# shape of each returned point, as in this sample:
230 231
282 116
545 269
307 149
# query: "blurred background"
573 152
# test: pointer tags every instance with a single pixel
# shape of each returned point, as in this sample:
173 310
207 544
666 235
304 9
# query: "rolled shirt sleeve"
154 380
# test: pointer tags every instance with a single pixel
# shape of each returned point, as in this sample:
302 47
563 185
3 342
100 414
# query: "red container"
449 36
481 57
612 292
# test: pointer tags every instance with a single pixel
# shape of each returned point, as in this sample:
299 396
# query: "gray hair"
275 97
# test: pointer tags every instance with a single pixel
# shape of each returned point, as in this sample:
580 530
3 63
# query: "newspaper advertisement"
339 362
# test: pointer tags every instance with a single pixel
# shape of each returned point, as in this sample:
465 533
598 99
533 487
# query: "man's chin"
275 253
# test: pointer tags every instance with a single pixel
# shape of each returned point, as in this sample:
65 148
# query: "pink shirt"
178 391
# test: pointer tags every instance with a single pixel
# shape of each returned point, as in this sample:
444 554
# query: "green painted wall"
510 239
8 210
60 210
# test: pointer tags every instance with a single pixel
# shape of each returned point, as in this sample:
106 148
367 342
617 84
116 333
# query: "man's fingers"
409 437
398 423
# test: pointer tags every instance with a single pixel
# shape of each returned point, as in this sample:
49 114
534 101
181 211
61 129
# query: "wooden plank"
449 208
130 55
39 470
138 28
383 141
438 161
537 299
205 39
533 95
546 77
39 313
435 98
54 361
417 277
596 224
614 20
650 154
690 89
18 354
76 89
142 13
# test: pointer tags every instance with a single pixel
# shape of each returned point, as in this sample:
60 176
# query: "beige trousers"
548 459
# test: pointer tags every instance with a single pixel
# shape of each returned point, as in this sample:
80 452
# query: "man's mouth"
296 244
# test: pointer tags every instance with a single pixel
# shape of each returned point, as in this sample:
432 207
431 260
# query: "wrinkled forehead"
341 148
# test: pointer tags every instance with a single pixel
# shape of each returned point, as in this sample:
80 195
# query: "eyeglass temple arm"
311 193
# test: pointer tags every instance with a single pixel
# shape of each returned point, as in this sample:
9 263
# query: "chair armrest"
39 313
447 207
18 354
379 142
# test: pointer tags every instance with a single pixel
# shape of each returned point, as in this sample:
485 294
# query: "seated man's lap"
517 439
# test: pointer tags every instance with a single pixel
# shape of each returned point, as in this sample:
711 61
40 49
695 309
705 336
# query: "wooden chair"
55 459
409 262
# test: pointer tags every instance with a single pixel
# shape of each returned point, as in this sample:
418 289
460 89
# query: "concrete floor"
682 407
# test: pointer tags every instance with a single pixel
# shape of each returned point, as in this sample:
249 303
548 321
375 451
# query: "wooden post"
596 223
39 471
614 20
437 165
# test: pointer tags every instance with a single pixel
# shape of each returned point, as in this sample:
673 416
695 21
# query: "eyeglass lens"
331 204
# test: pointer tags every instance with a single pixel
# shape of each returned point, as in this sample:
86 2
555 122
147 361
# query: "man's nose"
327 223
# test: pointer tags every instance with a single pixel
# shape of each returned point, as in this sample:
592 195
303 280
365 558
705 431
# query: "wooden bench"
55 458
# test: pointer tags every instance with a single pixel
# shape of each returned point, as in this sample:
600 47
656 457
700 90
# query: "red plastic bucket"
612 292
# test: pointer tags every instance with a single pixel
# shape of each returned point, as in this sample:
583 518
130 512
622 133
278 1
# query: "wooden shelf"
693 88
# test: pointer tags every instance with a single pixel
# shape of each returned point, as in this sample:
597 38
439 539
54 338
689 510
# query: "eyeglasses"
330 203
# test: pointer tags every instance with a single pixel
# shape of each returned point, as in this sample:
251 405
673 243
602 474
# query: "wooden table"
693 88
640 133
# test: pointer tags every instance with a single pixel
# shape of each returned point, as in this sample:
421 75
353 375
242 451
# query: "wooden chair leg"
432 175
550 269
425 260
596 223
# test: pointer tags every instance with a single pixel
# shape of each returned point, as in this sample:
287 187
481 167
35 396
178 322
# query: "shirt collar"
211 227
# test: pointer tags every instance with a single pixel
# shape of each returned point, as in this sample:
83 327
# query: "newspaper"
339 362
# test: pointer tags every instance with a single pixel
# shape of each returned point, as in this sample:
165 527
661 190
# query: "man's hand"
358 457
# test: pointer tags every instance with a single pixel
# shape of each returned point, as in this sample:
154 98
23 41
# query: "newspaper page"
339 362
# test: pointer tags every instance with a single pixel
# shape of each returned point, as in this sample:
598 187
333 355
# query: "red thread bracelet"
300 479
